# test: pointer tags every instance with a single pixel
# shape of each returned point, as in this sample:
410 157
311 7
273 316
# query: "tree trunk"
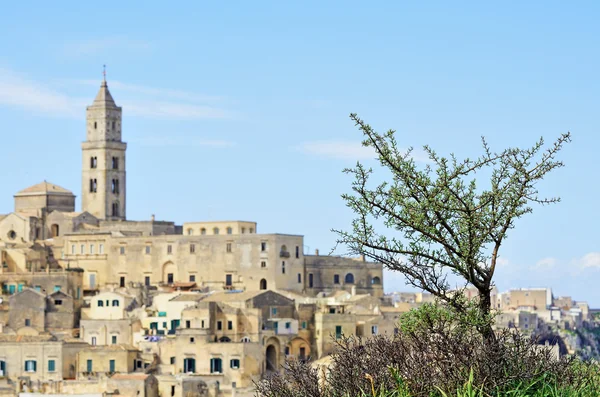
485 307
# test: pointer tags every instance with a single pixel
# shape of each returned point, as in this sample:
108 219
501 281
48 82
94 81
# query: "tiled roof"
44 188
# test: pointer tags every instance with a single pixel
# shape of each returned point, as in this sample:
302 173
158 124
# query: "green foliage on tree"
445 221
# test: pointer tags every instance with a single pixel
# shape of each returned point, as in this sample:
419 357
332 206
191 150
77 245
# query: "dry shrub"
434 350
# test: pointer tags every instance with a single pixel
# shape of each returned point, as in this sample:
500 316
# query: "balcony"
284 254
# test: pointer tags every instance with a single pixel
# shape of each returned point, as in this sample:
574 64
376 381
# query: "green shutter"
20 288
89 365
51 366
111 365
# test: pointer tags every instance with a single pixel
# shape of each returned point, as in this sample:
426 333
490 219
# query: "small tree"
446 223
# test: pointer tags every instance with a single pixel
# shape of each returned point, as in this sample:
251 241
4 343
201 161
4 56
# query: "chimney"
317 252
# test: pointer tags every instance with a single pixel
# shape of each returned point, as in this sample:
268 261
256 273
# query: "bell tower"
103 168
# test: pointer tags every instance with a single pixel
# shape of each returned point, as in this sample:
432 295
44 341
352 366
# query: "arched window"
55 230
224 339
349 278
203 231
229 230
216 230
190 232
100 303
375 281
115 208
93 341
115 302
263 284
245 339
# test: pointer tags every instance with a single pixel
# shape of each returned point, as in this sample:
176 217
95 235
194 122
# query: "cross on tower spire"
104 73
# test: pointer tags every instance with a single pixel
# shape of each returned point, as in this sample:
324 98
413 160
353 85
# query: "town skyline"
215 140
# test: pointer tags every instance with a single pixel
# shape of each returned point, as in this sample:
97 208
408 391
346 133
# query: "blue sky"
240 110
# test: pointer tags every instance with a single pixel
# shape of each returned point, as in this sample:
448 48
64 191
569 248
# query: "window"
190 232
251 230
263 264
282 267
30 366
338 331
93 341
192 340
100 303
27 322
216 230
101 249
92 249
121 283
219 325
304 324
90 366
95 125
170 278
93 162
245 339
287 350
263 284
113 125
230 325
122 250
297 252
192 278
336 278
299 278
147 281
58 302
243 230
115 186
349 278
56 288
374 329
192 248
288 325
172 361
203 231
72 249
93 185
310 280
263 246
188 324
51 365
375 281
115 209
229 247
148 250
332 310
82 249
113 339
189 365
229 230
234 363
273 311
111 366
228 280
169 249
216 366
115 302
115 160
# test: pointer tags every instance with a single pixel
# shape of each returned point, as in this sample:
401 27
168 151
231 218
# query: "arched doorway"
263 284
169 273
55 230
271 355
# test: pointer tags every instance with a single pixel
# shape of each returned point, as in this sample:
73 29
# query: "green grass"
542 387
